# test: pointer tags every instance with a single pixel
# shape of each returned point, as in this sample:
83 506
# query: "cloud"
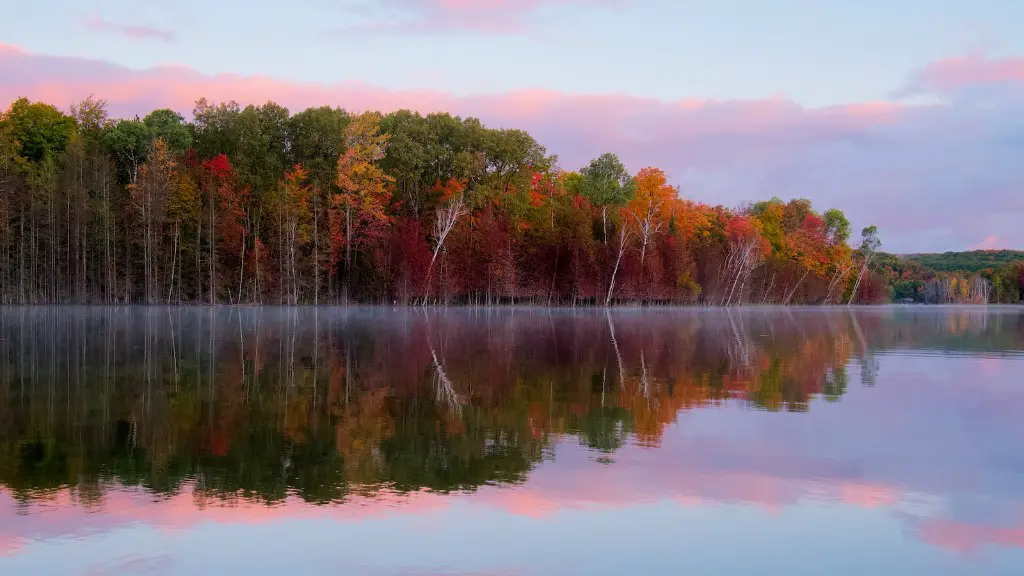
991 242
933 177
472 16
132 31
953 74
963 537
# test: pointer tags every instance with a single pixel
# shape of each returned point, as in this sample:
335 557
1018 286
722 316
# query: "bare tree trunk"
623 237
740 270
789 296
834 283
447 216
604 224
769 290
348 250
174 264
241 272
213 252
856 284
316 255
615 344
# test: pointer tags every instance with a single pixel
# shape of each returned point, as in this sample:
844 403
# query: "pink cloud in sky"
991 242
932 177
952 74
133 31
479 16
964 537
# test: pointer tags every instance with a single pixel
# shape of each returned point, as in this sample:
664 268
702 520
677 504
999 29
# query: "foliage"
41 130
257 204
971 261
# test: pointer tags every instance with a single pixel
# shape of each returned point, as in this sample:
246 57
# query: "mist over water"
512 440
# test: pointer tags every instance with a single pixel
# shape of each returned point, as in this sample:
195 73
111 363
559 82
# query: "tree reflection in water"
323 403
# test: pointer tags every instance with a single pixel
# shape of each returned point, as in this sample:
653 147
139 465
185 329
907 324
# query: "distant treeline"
975 277
258 205
970 261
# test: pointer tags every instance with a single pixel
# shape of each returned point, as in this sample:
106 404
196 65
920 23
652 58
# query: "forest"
259 205
969 261
975 277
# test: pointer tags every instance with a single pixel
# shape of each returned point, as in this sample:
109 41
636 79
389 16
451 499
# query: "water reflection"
181 415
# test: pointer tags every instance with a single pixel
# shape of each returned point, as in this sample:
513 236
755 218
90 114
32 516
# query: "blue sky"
908 115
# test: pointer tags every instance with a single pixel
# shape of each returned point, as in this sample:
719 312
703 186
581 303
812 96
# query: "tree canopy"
257 204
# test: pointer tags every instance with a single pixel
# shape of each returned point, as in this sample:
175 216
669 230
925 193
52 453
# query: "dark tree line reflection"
263 403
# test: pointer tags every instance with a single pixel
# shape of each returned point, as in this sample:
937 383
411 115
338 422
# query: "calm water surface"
377 441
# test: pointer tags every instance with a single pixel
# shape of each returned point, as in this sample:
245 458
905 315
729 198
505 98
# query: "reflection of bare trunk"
739 348
241 347
615 344
446 394
174 349
643 376
604 383
860 335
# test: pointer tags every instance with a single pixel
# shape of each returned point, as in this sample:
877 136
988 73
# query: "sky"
903 114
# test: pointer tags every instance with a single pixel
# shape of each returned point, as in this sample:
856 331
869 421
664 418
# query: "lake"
155 440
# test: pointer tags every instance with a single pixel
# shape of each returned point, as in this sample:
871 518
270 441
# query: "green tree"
605 182
171 127
41 130
128 142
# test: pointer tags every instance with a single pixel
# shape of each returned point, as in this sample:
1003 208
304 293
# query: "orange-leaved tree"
360 206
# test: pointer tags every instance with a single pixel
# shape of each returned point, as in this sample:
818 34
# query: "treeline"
257 205
968 261
912 279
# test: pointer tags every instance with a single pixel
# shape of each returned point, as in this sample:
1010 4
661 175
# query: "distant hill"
971 261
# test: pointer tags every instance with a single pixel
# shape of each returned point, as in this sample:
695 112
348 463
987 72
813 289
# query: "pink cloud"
132 31
625 121
952 74
965 537
991 242
932 177
480 16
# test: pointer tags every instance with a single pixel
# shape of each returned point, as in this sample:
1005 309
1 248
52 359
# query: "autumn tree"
651 205
359 207
297 227
255 204
149 196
